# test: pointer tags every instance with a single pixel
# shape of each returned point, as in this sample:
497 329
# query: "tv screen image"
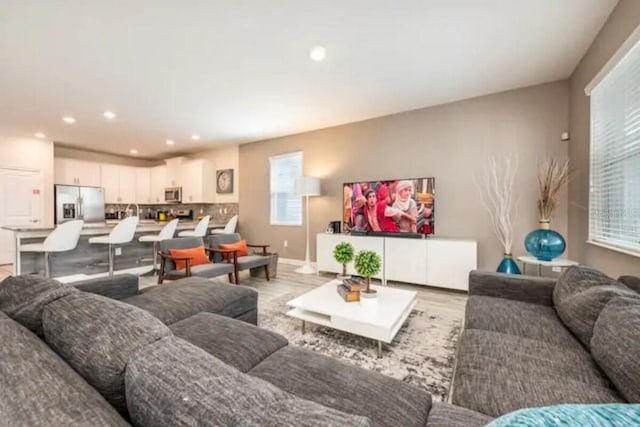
397 206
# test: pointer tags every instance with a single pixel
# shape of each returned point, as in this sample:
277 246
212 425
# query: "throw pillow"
240 246
606 415
197 255
615 345
580 295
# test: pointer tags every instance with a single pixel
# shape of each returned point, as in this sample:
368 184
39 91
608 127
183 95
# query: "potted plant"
343 253
367 264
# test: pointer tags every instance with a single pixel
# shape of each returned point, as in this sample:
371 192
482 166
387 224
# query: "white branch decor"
496 195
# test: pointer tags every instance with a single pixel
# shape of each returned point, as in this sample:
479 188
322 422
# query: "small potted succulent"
343 253
367 264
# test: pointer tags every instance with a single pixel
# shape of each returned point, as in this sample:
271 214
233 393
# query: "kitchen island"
87 259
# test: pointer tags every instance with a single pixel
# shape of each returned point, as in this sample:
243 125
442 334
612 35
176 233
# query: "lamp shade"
308 186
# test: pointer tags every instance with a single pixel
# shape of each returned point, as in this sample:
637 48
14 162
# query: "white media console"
439 262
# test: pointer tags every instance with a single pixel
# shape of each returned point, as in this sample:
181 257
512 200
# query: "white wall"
28 153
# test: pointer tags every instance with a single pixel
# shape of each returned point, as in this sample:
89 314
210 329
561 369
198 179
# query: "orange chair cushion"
240 246
198 256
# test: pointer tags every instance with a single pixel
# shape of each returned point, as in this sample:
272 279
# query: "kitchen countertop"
144 226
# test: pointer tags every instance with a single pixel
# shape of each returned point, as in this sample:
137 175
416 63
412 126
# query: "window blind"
286 205
614 199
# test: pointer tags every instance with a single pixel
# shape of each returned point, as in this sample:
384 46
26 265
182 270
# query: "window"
614 199
286 205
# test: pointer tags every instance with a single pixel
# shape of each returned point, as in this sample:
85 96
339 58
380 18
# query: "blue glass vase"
544 243
508 265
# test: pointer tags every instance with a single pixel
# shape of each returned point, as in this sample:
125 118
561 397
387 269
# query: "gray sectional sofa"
184 353
531 342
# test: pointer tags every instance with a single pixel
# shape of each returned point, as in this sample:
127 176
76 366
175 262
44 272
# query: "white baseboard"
291 261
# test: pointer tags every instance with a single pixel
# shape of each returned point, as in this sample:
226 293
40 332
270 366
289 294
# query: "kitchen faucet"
132 204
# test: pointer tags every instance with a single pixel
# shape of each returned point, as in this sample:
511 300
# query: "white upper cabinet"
119 183
127 184
143 185
197 182
158 183
76 172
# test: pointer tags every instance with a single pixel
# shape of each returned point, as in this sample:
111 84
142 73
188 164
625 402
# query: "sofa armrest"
117 287
533 289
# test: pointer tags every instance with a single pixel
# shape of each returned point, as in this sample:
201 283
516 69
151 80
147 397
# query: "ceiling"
236 71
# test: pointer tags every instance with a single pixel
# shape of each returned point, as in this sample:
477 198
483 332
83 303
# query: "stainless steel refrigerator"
73 202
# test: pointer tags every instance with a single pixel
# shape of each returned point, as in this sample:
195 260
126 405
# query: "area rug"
422 353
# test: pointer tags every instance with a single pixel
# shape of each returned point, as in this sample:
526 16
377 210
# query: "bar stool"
64 238
230 228
167 232
121 233
200 231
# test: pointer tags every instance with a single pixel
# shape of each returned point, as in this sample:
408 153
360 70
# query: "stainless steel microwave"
173 194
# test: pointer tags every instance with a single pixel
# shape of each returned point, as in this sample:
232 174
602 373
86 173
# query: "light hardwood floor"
290 282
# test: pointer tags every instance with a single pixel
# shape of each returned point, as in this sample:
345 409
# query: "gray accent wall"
450 142
621 23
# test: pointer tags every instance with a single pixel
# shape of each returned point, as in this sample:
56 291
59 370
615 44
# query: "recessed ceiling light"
109 115
195 137
133 151
317 53
170 142
69 119
39 135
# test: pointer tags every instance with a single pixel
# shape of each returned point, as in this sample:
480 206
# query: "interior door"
21 204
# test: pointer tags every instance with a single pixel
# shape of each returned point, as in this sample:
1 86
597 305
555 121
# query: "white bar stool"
63 238
121 233
230 228
200 231
167 232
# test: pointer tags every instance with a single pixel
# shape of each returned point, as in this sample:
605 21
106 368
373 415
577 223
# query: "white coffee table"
381 322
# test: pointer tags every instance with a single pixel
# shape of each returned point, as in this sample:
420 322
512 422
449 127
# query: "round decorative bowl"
545 244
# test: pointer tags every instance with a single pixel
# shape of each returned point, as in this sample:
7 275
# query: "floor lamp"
307 186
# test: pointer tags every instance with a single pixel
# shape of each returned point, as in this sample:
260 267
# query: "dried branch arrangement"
496 195
552 175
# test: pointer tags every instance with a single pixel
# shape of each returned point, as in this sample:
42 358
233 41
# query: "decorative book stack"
350 289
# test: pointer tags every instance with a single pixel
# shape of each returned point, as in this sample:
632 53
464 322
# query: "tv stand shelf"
440 262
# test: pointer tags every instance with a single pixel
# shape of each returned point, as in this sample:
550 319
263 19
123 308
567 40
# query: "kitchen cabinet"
76 172
119 183
197 182
158 183
143 185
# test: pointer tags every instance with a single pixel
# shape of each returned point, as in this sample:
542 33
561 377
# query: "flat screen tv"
396 206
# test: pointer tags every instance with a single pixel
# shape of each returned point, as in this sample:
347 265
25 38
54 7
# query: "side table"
558 262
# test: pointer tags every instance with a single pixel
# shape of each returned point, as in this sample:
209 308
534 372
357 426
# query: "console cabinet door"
450 262
406 260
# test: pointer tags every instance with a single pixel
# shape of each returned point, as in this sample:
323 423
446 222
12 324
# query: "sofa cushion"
498 373
24 297
234 342
580 295
324 380
175 301
97 336
37 388
631 282
527 320
174 383
615 345
197 256
253 261
446 415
